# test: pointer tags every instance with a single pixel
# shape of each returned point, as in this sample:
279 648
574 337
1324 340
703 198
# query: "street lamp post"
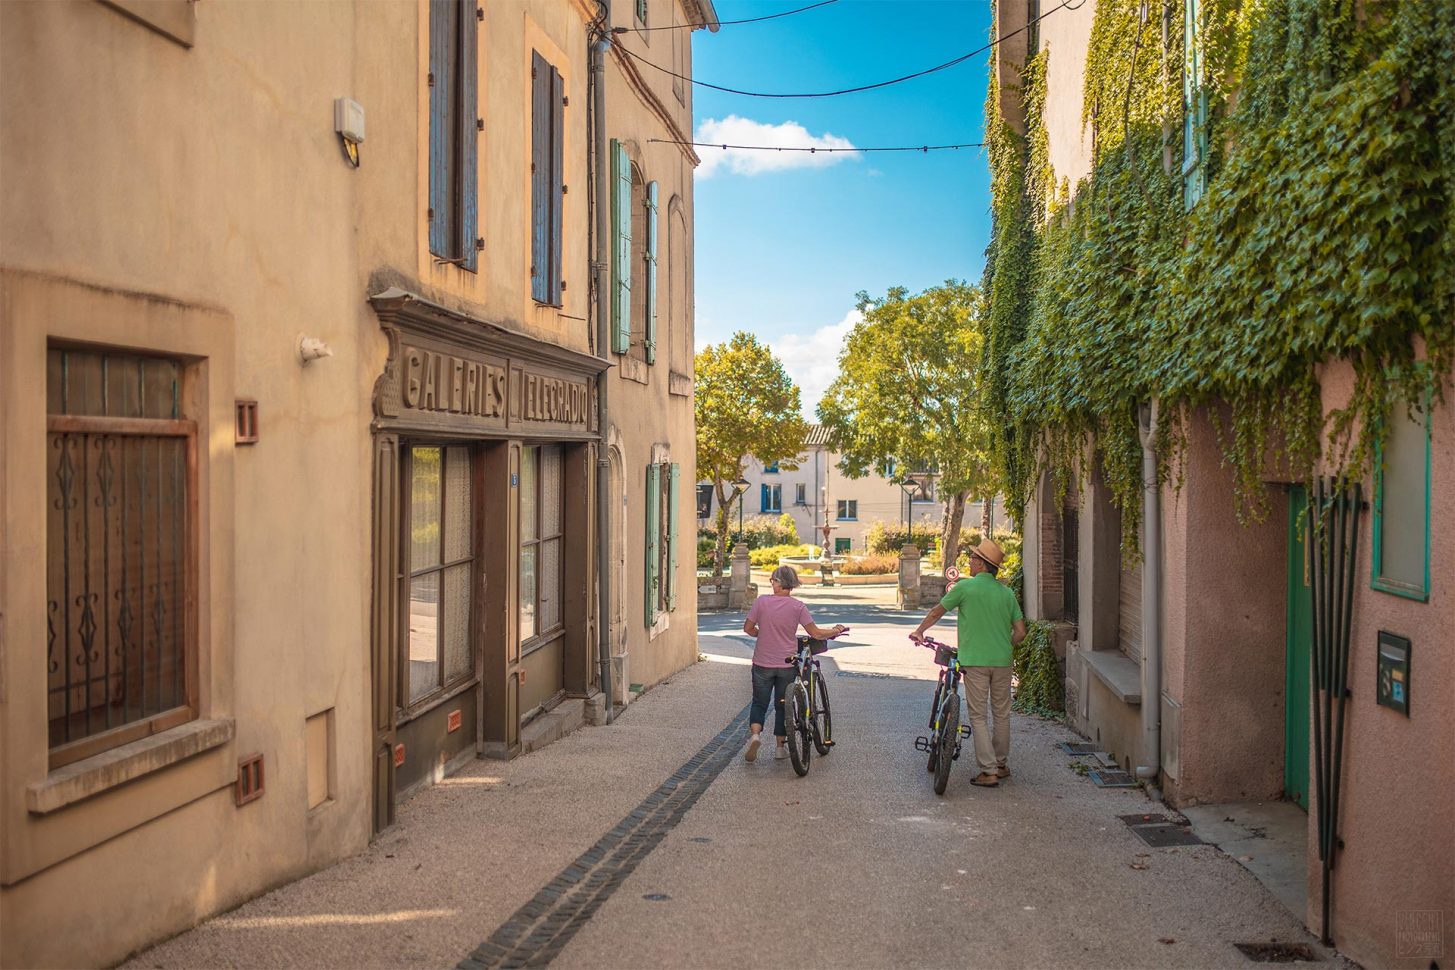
910 486
740 487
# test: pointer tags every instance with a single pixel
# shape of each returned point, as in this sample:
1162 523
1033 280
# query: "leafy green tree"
746 405
907 396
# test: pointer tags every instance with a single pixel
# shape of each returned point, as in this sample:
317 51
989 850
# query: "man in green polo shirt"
989 622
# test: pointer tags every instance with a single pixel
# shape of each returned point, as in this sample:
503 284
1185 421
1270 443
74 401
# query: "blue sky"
782 251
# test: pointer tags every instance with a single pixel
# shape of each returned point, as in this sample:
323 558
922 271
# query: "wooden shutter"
468 133
541 118
654 526
1129 612
558 180
1194 103
443 89
651 280
673 501
621 248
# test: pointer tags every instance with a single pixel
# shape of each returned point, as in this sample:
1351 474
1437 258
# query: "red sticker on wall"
452 721
398 755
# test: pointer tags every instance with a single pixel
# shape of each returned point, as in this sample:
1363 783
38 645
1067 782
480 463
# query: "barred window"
121 655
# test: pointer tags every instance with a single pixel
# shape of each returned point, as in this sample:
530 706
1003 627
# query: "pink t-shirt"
778 619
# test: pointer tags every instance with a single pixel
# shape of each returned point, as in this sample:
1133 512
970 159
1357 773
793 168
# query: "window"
1194 109
547 127
1033 28
634 259
439 650
453 132
800 494
121 654
771 498
542 618
642 12
1402 507
848 508
771 468
704 501
661 546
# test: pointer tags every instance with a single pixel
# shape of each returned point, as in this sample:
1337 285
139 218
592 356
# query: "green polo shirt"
985 610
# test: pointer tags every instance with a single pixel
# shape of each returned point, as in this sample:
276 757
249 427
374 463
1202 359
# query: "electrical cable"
815 149
1066 4
724 23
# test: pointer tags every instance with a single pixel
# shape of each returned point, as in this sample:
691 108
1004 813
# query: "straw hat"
990 552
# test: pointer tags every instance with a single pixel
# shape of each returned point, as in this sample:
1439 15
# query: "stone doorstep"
553 725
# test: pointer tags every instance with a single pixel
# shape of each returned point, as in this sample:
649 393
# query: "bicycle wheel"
795 721
823 720
934 735
949 735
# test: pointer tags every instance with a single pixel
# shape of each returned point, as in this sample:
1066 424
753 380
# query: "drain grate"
1079 747
1112 779
1278 952
1162 834
1143 819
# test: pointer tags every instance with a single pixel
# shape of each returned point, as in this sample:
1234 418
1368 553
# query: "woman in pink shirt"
774 620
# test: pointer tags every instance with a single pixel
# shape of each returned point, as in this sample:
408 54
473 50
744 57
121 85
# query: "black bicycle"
807 719
946 731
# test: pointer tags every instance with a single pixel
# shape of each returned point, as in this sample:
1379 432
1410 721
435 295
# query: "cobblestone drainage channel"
540 929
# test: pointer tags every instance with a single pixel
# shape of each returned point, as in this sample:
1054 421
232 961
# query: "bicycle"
945 726
807 718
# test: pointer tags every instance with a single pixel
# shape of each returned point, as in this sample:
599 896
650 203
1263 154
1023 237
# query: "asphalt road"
651 843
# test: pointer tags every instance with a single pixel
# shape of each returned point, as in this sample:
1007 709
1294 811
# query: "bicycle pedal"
956 755
922 744
964 730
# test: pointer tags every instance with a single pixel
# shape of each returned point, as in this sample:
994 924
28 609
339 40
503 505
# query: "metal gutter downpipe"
601 266
1147 421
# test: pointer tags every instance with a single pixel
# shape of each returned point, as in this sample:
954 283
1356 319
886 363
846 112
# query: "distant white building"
817 486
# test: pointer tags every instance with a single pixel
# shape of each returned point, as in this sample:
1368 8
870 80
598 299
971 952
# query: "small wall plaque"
1392 688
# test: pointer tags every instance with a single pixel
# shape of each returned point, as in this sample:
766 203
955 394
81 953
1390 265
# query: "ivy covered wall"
1322 147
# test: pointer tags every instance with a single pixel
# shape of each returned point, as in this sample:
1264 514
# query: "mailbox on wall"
1393 684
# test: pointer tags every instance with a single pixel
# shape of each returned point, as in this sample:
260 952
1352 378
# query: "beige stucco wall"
1066 33
651 405
210 181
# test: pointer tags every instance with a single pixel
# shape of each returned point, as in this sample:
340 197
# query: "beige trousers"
991 750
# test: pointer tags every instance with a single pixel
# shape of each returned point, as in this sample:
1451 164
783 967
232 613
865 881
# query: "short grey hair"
787 577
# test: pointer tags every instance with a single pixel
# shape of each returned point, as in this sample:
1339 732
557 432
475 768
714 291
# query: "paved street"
652 843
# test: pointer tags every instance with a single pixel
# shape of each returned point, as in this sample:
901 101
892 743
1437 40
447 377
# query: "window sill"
110 769
633 369
679 384
1121 674
1395 588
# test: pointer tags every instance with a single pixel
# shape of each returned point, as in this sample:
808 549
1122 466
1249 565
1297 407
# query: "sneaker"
751 754
781 752
1002 772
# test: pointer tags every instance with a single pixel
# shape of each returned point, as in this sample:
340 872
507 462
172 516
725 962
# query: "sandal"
981 782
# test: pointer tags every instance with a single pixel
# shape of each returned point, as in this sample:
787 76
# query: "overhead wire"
1065 4
724 23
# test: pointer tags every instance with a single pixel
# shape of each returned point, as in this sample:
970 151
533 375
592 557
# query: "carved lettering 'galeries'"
433 381
554 399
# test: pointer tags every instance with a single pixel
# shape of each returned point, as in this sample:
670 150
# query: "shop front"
484 447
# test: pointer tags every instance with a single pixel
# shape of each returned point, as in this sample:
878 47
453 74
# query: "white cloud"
734 130
812 359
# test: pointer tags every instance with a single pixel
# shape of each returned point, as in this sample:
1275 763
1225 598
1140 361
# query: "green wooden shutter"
1194 107
621 248
654 528
673 500
651 281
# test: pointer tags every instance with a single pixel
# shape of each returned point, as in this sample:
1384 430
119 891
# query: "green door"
1300 644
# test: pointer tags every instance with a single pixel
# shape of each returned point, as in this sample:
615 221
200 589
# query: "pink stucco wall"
1397 803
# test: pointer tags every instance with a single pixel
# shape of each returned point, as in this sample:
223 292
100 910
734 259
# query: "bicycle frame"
947 690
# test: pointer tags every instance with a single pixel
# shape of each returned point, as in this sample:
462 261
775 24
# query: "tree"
746 404
908 394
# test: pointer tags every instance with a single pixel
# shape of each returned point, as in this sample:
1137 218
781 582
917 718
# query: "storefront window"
541 497
441 562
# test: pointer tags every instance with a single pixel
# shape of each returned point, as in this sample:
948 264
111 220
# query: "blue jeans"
767 682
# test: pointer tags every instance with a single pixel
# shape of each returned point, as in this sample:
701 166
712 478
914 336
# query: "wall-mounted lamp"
311 348
348 121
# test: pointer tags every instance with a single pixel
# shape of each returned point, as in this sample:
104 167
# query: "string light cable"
1064 5
814 149
724 23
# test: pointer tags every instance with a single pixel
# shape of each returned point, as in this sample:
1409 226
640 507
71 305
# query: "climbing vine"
1326 233
1038 682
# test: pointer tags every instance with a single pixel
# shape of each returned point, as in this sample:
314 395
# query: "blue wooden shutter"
540 178
654 525
468 130
1194 105
621 248
673 501
443 86
558 180
651 280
